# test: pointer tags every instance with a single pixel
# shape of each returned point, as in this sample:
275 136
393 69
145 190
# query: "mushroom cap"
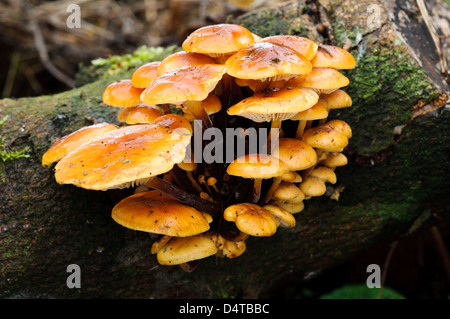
157 213
291 207
324 173
304 46
296 154
140 114
191 83
122 94
337 99
335 159
180 250
127 156
286 191
218 39
341 126
183 59
283 217
263 60
292 177
325 137
313 186
275 104
145 74
257 166
251 219
330 56
316 112
69 142
322 80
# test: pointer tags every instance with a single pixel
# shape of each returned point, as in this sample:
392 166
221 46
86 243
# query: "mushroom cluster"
281 87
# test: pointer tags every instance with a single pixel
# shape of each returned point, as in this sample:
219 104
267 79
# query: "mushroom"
321 80
312 186
283 217
183 59
324 173
335 100
182 250
122 94
188 85
302 45
341 126
275 105
286 192
334 160
251 219
305 118
158 213
257 167
140 114
292 207
126 156
261 63
144 75
329 56
218 41
324 138
68 143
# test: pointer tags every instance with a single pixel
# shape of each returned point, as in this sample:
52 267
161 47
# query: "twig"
43 54
443 252
386 266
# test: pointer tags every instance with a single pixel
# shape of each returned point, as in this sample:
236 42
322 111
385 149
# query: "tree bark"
397 178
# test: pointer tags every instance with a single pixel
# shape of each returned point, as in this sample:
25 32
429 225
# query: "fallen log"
396 180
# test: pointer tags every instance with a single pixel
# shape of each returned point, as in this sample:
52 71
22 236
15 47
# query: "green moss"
267 22
384 87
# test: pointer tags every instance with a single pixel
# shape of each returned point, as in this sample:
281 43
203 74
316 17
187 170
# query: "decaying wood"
396 179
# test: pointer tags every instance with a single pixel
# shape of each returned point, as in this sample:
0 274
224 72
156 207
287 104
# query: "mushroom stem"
274 125
194 182
166 109
214 209
300 129
256 189
199 112
276 182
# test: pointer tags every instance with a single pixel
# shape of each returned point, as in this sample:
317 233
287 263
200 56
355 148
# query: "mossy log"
397 177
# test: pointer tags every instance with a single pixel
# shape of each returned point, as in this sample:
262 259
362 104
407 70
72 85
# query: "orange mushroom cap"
127 156
330 56
322 80
275 104
68 143
337 99
140 114
145 74
218 40
122 94
191 83
182 59
266 60
158 213
304 46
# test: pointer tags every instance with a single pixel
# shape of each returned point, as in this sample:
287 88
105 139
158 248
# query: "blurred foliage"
121 64
361 291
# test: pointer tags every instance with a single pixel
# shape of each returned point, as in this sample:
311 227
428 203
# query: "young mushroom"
158 213
122 94
140 114
329 56
257 167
